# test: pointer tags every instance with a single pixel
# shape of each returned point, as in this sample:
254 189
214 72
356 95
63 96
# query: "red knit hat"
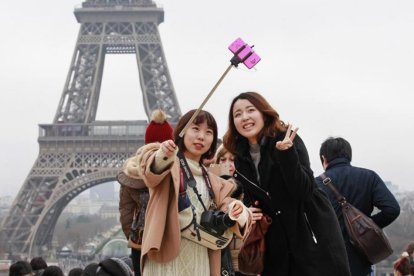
158 130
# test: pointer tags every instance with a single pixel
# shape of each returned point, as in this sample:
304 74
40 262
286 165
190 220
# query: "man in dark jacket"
362 188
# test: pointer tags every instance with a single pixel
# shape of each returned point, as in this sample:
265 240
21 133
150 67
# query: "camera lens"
227 221
216 221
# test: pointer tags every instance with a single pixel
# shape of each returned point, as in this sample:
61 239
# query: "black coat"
304 238
364 189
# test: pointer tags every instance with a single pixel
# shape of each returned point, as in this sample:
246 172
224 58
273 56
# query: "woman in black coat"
304 237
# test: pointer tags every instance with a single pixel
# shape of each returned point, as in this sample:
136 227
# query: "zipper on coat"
310 228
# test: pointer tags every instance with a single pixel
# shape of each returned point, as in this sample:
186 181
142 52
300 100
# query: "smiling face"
248 120
197 140
202 117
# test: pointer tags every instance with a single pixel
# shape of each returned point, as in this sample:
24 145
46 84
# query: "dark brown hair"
38 263
272 123
203 116
20 268
53 270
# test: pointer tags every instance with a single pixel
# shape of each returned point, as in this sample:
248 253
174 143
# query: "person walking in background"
304 237
133 194
363 188
165 249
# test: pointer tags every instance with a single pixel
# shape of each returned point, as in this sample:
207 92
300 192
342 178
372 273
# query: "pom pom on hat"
158 130
158 116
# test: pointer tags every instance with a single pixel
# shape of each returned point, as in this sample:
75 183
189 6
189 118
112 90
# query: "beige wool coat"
162 234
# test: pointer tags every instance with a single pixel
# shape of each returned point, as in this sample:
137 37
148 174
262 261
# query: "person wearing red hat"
133 194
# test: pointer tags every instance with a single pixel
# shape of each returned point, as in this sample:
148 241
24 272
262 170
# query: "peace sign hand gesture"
288 140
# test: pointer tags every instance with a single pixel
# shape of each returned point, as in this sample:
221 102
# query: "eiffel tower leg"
156 84
80 96
26 208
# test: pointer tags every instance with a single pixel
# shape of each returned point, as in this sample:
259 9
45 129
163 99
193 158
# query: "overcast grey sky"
340 68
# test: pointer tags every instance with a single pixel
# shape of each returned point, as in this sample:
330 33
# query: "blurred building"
104 191
109 211
100 200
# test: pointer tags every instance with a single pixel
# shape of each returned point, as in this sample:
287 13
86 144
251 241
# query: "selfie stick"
242 53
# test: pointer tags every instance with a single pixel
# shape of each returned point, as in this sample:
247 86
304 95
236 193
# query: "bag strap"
328 182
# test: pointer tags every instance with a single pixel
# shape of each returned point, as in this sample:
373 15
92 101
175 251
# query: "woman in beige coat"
164 251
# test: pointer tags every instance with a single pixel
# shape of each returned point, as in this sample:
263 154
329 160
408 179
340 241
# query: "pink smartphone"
252 60
236 45
244 53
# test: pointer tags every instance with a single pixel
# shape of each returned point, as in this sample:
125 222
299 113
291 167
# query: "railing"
98 129
123 3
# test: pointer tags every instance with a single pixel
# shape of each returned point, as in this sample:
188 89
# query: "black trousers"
136 257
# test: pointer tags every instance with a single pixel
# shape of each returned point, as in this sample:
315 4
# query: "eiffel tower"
76 152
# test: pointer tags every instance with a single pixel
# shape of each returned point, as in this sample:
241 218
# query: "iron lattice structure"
77 152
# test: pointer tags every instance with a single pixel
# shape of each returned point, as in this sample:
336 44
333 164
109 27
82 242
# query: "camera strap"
187 178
